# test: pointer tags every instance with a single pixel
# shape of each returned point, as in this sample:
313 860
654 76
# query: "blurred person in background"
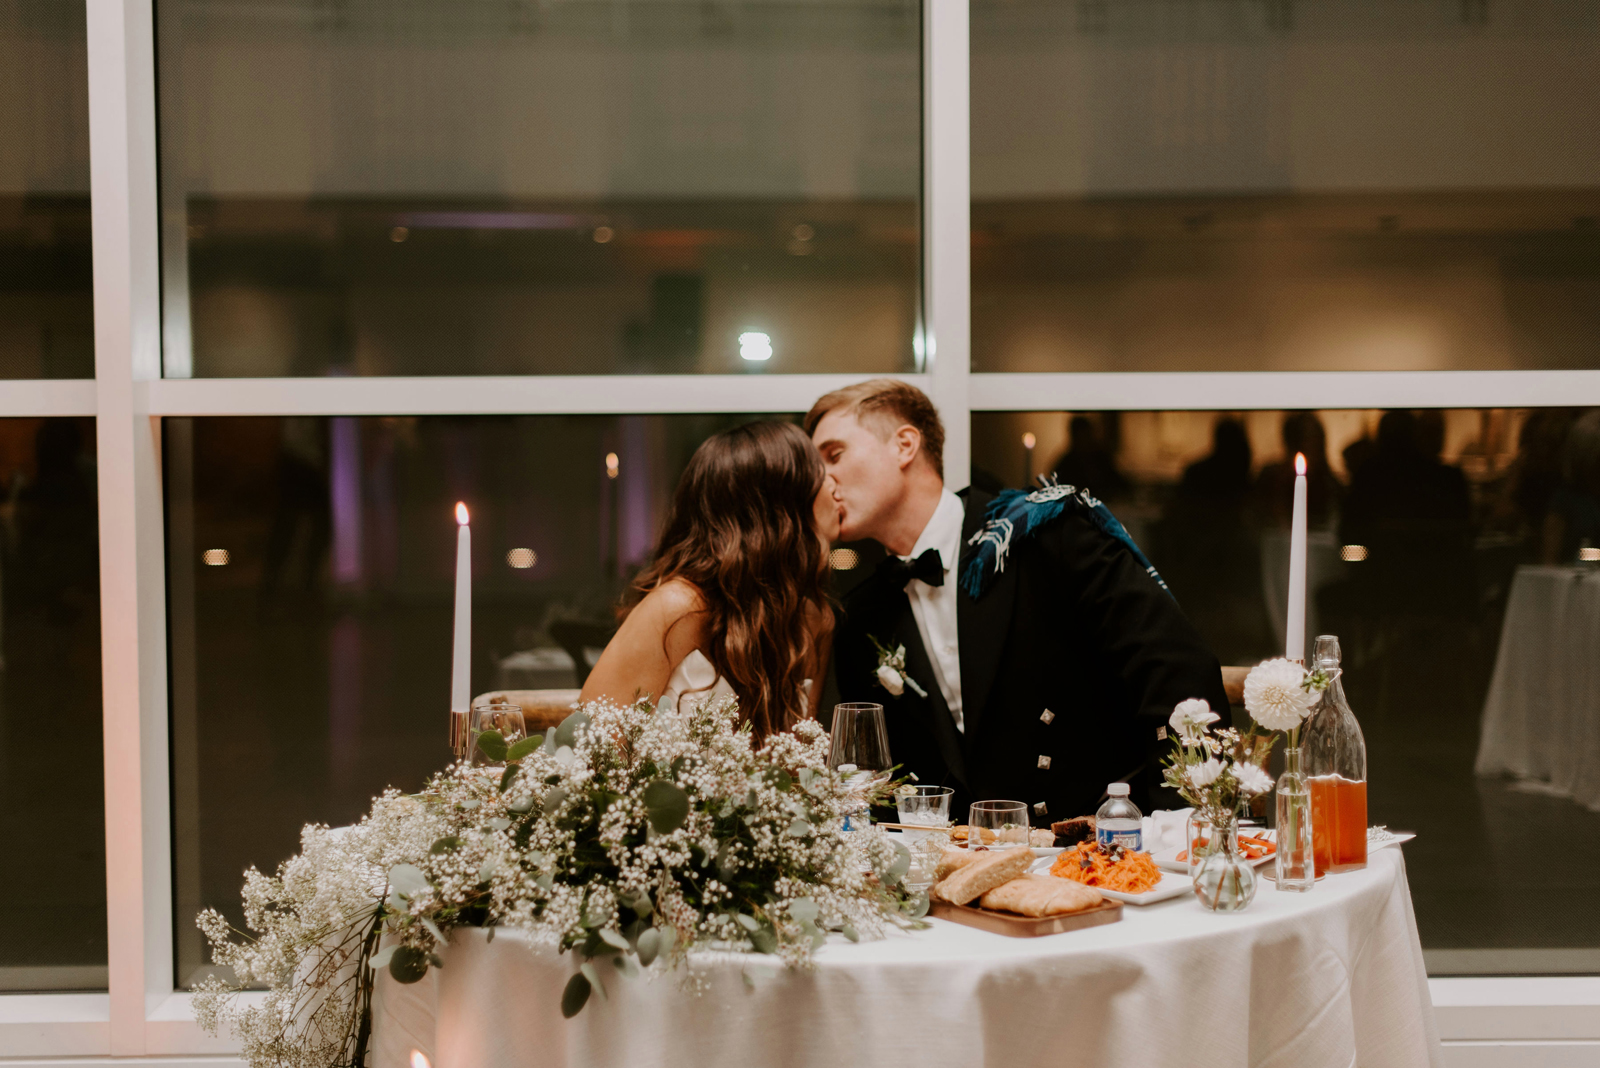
1302 432
1088 463
1573 519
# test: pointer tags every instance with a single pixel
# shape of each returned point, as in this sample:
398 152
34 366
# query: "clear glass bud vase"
1296 863
1223 880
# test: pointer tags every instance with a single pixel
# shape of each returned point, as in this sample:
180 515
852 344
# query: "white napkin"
1164 829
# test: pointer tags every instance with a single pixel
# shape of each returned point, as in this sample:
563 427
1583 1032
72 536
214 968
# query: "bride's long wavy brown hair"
741 531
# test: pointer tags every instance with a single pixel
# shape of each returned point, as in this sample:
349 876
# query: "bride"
733 600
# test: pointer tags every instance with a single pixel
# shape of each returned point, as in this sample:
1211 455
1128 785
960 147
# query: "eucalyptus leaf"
900 865
575 996
799 829
612 938
545 882
525 746
816 934
626 966
666 804
408 880
639 901
522 805
433 929
510 774
725 862
567 733
380 959
554 800
918 906
851 934
589 972
649 946
499 823
803 910
749 923
493 744
445 845
764 939
669 938
471 804
408 964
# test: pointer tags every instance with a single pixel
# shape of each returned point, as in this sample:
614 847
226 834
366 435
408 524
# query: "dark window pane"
52 809
46 303
1284 185
1454 553
311 569
404 188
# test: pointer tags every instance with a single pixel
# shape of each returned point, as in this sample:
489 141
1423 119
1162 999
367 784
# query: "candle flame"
461 513
1299 463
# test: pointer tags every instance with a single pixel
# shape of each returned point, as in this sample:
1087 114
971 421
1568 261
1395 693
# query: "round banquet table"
1333 977
1541 720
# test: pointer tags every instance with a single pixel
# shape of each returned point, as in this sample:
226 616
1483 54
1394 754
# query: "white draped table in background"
1330 978
1541 720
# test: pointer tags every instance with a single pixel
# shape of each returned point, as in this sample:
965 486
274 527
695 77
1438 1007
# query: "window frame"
142 1014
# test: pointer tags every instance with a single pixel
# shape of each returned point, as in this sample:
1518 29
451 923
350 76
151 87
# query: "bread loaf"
976 878
951 860
1040 895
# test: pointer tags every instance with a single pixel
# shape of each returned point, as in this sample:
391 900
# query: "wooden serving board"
1014 926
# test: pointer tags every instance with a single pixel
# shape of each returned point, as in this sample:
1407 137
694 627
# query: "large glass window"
1161 185
52 812
592 186
46 302
1455 554
310 569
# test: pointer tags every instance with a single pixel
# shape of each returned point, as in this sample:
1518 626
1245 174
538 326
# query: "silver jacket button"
1041 809
1047 717
1044 762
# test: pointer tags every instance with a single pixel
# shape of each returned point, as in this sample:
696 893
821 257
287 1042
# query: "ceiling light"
215 557
1353 553
755 346
522 559
843 559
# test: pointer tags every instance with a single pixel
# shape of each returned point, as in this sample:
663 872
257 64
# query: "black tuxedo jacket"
1071 663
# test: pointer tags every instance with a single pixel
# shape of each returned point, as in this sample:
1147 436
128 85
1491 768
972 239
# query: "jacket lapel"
981 625
940 722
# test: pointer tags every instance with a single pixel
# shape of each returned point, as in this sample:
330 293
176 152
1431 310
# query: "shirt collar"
943 531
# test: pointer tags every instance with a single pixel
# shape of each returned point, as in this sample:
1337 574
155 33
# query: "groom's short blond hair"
887 403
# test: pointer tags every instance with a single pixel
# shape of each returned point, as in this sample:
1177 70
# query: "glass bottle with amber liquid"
1336 770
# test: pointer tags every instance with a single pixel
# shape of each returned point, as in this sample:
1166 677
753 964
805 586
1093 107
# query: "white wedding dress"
695 679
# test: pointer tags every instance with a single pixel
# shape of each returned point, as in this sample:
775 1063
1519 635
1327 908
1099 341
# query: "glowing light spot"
420 1059
1299 463
1589 554
843 559
399 234
613 465
1029 441
215 557
1353 553
755 346
461 513
602 234
522 559
804 232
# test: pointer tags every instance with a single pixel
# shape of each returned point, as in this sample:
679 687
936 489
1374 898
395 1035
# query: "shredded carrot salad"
1127 871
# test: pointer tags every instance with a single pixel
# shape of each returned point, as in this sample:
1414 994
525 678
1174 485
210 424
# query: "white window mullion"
947 224
122 146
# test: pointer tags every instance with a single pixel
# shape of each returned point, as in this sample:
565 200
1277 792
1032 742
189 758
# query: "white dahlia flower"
1275 696
1191 718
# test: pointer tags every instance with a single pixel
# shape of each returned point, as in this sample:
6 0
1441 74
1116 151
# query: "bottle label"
1126 839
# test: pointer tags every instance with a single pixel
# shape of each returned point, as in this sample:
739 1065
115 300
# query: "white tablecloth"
1330 978
1541 720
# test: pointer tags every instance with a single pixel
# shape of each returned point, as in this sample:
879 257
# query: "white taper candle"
461 663
1295 646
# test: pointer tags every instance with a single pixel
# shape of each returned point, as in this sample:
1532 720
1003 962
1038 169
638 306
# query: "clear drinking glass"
860 737
924 806
502 716
997 825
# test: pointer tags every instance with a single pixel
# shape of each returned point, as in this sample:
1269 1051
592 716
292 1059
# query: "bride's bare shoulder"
675 610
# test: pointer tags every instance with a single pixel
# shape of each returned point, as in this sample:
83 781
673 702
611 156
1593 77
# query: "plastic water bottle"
1119 820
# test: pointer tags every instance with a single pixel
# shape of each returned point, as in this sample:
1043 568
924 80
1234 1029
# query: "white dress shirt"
935 606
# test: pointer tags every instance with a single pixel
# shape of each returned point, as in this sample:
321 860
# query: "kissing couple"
1042 654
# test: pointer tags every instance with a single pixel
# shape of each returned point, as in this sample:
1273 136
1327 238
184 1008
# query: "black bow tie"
927 567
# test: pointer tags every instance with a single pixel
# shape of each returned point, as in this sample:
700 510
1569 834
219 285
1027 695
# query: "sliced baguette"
979 876
1040 895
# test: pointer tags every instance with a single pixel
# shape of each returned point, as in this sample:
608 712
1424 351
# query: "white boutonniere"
892 670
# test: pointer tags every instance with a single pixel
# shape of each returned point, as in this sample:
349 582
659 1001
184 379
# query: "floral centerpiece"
1279 694
627 836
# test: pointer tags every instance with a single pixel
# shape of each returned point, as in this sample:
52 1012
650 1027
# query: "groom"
1050 653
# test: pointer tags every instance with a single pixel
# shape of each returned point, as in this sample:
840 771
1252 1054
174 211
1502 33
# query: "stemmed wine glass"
860 749
502 716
